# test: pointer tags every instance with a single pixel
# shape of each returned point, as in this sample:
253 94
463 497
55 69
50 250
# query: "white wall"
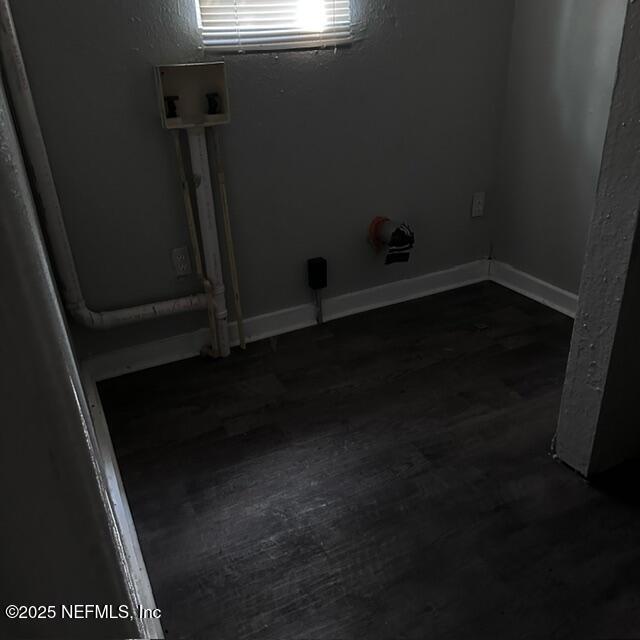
563 64
599 414
404 123
617 437
57 542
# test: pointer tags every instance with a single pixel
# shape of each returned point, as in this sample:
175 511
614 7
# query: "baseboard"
563 301
146 355
404 290
138 577
180 347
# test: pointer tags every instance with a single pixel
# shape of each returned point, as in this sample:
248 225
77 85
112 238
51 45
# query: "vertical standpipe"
209 233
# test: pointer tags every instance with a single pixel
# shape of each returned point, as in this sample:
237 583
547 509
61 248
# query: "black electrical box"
317 272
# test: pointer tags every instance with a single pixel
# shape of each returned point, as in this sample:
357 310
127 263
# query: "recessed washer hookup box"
193 95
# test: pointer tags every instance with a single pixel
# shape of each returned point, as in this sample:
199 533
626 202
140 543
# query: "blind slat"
238 24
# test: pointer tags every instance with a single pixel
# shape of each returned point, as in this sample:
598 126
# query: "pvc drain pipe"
45 191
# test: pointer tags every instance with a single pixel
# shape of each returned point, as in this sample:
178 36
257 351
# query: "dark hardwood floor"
385 476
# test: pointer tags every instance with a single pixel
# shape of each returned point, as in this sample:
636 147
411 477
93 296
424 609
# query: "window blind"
273 24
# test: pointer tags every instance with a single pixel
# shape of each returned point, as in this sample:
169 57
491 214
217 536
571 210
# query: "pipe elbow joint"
83 315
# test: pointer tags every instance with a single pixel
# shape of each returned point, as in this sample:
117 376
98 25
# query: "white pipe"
231 256
45 193
36 155
119 317
209 232
47 428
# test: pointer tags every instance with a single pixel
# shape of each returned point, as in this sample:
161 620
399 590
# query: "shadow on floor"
620 483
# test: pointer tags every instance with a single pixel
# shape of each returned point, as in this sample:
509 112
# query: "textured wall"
404 123
618 436
599 413
562 71
57 544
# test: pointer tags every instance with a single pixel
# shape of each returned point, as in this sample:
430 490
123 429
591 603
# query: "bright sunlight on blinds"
273 24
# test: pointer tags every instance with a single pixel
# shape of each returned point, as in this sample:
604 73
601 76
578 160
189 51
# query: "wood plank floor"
383 476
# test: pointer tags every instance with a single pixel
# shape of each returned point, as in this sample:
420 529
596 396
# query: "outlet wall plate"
181 261
477 205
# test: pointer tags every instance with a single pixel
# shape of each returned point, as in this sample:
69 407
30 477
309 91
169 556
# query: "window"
241 25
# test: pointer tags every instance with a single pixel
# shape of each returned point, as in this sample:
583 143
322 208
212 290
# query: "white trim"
534 288
187 345
180 347
271 47
151 627
404 290
146 355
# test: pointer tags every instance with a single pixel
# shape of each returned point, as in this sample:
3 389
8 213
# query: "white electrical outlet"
477 206
181 261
